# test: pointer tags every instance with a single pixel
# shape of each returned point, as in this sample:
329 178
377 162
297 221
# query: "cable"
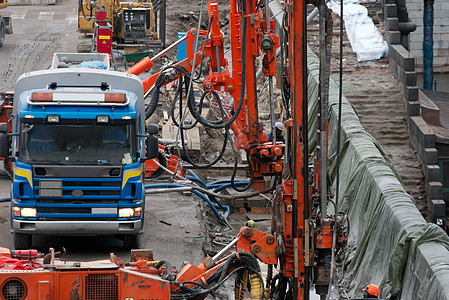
81 8
337 187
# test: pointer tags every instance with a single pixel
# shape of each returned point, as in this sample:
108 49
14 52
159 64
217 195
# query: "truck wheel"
22 241
2 32
132 241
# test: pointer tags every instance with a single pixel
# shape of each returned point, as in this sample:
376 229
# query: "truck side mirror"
152 129
152 141
4 141
3 127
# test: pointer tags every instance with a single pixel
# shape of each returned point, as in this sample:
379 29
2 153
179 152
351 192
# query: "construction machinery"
139 24
303 236
5 23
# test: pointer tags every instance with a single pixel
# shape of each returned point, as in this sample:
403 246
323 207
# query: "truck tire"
2 32
132 241
22 241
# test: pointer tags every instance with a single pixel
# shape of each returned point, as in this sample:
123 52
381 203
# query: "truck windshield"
74 144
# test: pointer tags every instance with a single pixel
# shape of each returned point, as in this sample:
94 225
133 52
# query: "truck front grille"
76 189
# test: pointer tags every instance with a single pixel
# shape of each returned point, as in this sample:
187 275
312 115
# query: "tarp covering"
390 244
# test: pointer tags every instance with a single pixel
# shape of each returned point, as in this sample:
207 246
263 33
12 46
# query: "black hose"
205 166
251 171
81 8
242 91
234 262
5 199
167 266
161 79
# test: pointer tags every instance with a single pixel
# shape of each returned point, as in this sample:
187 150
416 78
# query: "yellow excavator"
135 23
5 23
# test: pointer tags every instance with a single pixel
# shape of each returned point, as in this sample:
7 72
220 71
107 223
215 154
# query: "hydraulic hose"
212 205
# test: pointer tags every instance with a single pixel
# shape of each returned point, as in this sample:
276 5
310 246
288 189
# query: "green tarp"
390 244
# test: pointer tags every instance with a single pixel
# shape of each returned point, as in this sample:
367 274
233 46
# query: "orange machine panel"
138 286
28 285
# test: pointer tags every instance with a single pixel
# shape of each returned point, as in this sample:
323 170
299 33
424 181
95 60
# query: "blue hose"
212 205
195 177
226 185
218 183
428 46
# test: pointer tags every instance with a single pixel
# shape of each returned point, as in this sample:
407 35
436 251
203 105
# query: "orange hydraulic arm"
250 37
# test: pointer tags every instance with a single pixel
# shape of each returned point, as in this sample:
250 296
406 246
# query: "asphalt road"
38 32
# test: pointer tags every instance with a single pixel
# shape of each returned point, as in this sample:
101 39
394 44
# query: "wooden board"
192 136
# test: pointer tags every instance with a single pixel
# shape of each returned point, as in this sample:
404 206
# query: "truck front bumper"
77 227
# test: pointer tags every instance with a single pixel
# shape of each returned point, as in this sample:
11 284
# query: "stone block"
403 57
392 24
430 156
394 37
409 78
394 66
431 172
413 108
437 208
410 93
390 10
434 189
426 136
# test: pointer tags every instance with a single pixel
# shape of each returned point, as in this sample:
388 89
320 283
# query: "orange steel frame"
300 209
246 127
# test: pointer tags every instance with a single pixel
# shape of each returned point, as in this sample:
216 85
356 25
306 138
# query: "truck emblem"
77 193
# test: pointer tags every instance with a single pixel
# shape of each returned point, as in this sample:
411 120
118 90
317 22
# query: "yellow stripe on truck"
131 173
23 173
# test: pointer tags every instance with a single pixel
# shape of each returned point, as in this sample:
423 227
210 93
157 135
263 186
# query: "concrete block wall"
415 9
422 138
403 65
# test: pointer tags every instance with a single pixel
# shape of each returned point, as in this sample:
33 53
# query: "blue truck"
78 146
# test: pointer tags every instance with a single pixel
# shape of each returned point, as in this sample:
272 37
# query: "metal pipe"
167 190
160 54
225 249
428 45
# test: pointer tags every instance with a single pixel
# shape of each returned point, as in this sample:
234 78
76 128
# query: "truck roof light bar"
115 98
40 98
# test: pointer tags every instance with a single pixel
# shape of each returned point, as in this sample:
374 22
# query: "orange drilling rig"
303 236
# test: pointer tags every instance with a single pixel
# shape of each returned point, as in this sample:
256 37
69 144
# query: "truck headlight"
129 212
27 212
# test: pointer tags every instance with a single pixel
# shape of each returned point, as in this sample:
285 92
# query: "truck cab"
78 147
